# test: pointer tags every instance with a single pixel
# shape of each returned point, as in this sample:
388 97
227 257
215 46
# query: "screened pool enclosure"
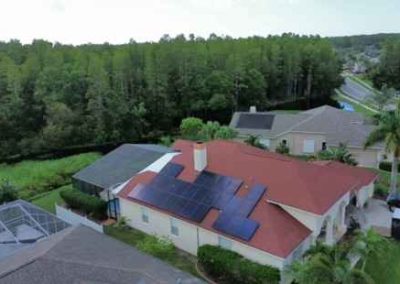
22 223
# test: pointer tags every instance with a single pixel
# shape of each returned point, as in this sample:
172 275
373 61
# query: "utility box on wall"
396 224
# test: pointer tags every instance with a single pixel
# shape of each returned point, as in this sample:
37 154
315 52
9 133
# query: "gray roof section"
121 164
339 126
282 123
82 255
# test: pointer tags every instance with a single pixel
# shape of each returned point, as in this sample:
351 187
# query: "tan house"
309 132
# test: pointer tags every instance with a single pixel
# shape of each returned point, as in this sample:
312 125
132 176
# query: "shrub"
190 128
381 190
159 247
7 192
282 148
89 204
166 141
387 166
231 267
254 141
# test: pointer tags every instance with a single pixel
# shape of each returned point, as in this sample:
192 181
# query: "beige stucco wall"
191 236
364 194
297 142
313 221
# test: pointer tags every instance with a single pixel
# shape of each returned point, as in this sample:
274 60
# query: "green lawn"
357 107
34 177
386 269
48 199
179 259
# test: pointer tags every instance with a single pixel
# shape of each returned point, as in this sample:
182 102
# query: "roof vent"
253 109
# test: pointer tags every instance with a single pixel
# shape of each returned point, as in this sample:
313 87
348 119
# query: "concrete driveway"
378 216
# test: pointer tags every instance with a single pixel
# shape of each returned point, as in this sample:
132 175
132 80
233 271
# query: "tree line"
54 96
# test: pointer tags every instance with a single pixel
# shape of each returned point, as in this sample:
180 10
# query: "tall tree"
388 132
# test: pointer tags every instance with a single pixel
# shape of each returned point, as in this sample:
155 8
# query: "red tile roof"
307 186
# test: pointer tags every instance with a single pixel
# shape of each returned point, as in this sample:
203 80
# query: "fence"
76 219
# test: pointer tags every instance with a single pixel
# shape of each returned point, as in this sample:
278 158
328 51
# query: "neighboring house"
81 255
115 168
311 131
268 207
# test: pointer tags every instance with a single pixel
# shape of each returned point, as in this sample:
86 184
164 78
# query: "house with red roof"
267 207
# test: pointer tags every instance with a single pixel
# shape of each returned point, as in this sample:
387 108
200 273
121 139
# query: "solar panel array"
233 219
185 199
255 121
194 200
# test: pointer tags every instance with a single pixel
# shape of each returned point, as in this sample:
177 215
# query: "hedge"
231 267
89 204
387 166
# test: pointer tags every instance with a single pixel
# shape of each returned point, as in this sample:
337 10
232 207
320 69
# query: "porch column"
343 216
329 238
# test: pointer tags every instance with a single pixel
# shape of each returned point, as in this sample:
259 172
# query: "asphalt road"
355 90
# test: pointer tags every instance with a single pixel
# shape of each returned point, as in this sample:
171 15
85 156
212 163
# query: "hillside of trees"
54 96
362 49
387 72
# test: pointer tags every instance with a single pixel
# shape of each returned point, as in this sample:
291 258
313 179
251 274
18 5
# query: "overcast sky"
117 21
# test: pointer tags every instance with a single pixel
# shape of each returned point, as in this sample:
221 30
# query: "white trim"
157 165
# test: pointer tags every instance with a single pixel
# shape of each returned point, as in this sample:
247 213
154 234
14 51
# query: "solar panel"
255 121
194 200
171 169
233 218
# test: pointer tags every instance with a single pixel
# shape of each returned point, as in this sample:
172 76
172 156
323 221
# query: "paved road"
355 90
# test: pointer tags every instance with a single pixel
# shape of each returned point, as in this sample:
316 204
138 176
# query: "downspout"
198 238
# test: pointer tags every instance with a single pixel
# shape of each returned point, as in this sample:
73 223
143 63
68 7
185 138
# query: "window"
265 142
309 146
284 142
145 215
174 227
224 243
323 146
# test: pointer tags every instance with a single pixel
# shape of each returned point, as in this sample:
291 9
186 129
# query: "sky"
118 21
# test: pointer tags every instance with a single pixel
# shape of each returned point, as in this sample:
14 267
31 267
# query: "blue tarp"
346 106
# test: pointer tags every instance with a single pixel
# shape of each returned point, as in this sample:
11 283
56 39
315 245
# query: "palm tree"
329 265
369 244
382 98
340 154
388 131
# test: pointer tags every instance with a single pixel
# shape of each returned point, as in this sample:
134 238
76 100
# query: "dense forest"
360 43
54 96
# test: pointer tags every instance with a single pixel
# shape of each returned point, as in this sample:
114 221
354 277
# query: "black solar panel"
189 200
171 169
194 200
233 218
255 121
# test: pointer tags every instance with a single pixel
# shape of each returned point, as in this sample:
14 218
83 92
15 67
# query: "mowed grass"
386 268
48 200
34 177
